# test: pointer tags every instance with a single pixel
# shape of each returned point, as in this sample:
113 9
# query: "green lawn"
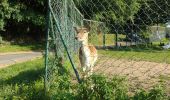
145 52
98 39
109 39
139 54
22 81
16 48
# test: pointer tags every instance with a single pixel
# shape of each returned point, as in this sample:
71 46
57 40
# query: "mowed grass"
22 81
140 54
145 52
154 53
25 47
109 39
98 39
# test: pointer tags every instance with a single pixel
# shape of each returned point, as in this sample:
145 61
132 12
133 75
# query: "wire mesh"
97 31
62 44
132 36
138 31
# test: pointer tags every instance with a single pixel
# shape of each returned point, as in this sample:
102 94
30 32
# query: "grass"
109 39
24 47
22 81
98 39
152 54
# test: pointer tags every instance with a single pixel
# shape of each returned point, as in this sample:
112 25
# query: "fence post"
47 45
65 46
104 39
116 37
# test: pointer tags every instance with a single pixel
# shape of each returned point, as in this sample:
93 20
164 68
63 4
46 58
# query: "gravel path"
139 73
13 58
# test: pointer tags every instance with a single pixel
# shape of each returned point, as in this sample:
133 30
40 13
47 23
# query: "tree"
153 12
6 11
109 10
139 13
22 16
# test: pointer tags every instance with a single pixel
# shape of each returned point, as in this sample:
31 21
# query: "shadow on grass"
26 77
31 46
26 85
136 48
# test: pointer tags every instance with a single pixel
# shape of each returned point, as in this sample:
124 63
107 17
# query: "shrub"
157 93
99 87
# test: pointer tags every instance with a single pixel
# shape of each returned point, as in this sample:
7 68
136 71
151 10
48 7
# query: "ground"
143 67
142 72
140 69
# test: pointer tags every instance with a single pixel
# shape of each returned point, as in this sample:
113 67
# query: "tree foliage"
153 12
126 14
19 10
7 11
28 16
22 16
109 10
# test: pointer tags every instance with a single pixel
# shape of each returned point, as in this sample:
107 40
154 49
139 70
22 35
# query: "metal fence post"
47 45
65 46
104 39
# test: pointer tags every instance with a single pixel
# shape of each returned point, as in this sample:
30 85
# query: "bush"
157 93
100 87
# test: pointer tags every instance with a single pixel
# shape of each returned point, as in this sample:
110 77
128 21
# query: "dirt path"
139 73
13 58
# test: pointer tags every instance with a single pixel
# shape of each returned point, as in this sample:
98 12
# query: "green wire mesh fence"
132 37
61 44
97 32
